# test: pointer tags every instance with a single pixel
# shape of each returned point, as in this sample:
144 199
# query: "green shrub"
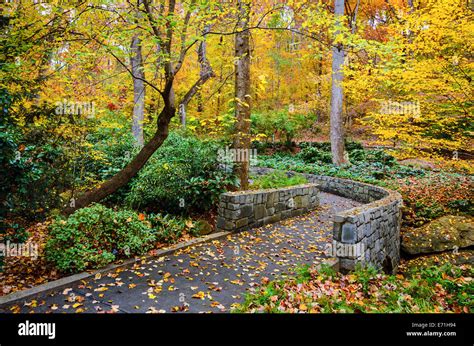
462 206
371 156
369 172
169 229
95 236
107 150
111 150
321 152
273 147
280 123
182 177
311 154
39 167
277 179
33 173
270 123
429 212
326 146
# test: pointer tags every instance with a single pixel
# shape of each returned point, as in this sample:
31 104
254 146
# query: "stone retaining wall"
245 209
369 234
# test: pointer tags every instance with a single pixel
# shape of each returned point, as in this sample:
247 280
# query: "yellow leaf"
101 289
199 295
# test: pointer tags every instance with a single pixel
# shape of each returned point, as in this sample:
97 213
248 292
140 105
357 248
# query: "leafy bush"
32 173
111 149
169 229
95 236
39 166
282 123
106 150
313 154
183 176
277 179
363 172
321 152
326 146
371 156
272 123
273 147
462 206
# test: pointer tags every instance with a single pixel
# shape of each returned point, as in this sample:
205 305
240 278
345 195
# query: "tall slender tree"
339 156
242 93
205 72
139 88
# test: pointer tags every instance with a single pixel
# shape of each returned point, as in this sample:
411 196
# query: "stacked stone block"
245 209
373 227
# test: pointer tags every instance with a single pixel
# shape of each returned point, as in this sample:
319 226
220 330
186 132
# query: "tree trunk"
339 156
242 95
123 177
167 113
205 72
182 115
204 66
319 86
136 60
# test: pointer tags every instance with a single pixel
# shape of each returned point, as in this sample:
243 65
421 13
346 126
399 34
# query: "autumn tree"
139 88
163 23
242 92
421 81
339 155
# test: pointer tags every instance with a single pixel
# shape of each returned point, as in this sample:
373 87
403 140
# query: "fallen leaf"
199 295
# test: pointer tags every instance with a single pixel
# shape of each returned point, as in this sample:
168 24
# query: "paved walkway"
209 277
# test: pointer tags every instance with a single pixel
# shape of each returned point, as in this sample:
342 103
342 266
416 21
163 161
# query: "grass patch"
277 179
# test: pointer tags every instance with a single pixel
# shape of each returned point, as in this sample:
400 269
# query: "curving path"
208 277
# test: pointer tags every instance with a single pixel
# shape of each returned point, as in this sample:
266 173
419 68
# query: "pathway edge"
60 283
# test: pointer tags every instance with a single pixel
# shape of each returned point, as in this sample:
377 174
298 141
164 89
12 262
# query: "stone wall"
365 235
245 209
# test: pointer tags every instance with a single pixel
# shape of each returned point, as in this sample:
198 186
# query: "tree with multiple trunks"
164 25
